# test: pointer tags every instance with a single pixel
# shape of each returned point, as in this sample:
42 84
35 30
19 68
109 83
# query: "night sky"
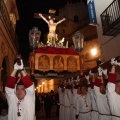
26 10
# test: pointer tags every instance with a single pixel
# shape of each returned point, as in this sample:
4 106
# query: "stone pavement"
42 114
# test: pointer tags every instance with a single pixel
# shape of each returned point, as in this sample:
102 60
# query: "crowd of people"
3 107
94 97
42 101
47 101
97 99
19 101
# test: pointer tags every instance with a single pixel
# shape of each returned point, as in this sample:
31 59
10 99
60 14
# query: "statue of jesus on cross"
52 36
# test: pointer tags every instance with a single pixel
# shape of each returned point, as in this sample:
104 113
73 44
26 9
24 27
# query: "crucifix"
52 36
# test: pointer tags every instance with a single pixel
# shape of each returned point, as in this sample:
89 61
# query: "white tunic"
84 107
114 98
4 117
62 108
67 112
94 113
102 105
70 96
26 107
76 96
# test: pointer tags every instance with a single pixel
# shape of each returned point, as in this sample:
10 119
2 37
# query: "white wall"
112 48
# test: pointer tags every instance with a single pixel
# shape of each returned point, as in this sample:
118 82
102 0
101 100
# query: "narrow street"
43 117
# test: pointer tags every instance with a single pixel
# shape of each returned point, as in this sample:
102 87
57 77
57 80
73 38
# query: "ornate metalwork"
78 40
111 19
34 36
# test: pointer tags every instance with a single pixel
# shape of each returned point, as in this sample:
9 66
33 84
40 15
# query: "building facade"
109 43
75 19
8 42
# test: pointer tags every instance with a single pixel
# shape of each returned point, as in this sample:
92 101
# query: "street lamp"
34 36
78 40
94 51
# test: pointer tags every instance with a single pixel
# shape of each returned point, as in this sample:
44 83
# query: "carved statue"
52 36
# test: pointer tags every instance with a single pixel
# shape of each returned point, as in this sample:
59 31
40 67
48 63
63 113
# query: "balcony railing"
110 19
4 16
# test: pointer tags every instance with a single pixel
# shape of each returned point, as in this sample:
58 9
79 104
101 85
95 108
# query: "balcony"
110 19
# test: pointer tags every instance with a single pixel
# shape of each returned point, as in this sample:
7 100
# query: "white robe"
94 114
75 97
102 105
27 105
67 112
70 96
114 98
62 108
84 111
3 117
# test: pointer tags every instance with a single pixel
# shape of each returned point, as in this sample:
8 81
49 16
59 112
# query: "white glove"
117 63
15 66
20 67
87 78
90 73
104 72
100 71
113 62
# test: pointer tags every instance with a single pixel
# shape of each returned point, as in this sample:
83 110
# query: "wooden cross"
57 18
